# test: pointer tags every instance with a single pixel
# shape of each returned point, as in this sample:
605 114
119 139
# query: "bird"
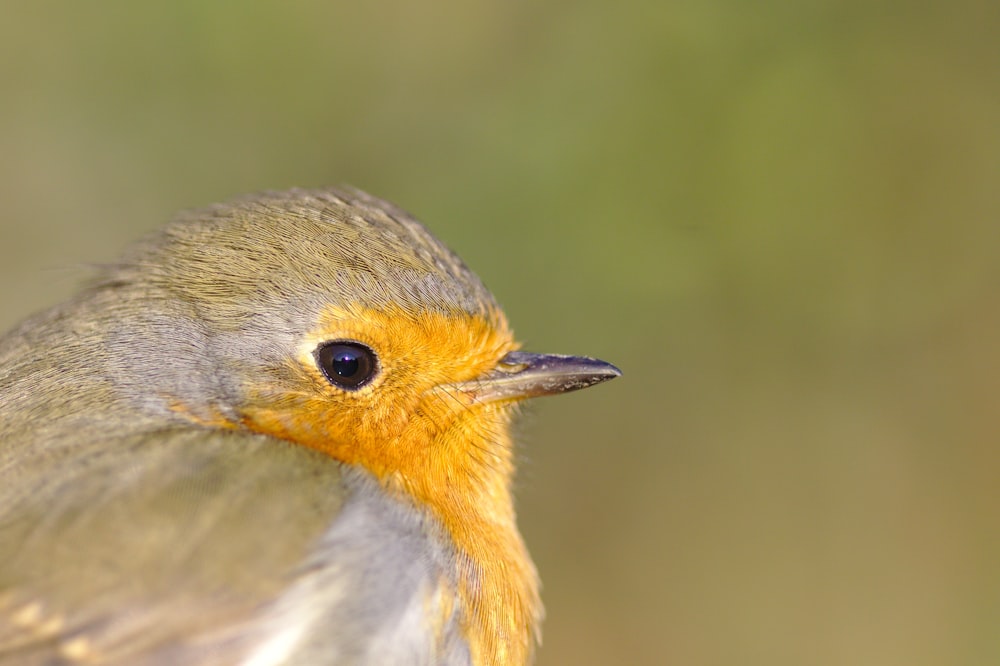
275 431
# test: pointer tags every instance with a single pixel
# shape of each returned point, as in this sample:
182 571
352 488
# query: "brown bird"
275 432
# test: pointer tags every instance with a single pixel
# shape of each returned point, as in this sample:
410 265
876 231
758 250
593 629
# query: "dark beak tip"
612 370
604 372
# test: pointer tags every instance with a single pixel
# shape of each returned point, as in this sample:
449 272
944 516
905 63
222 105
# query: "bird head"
335 321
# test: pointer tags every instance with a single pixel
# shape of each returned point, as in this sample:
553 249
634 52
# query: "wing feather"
152 544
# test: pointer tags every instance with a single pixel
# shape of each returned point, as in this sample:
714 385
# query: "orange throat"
497 581
431 445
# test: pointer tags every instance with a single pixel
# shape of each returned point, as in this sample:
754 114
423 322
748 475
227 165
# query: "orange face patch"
428 441
386 425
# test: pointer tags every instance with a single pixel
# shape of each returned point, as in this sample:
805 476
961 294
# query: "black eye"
348 365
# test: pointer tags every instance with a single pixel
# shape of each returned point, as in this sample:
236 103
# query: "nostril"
514 362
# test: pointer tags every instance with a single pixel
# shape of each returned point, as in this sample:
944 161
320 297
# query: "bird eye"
349 365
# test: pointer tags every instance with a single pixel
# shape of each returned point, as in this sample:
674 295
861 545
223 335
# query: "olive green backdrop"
782 220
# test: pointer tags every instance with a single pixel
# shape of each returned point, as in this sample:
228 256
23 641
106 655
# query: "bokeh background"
782 221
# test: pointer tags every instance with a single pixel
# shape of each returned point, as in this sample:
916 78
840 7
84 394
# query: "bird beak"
521 375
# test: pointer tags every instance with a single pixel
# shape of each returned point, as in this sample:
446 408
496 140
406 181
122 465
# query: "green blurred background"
782 221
